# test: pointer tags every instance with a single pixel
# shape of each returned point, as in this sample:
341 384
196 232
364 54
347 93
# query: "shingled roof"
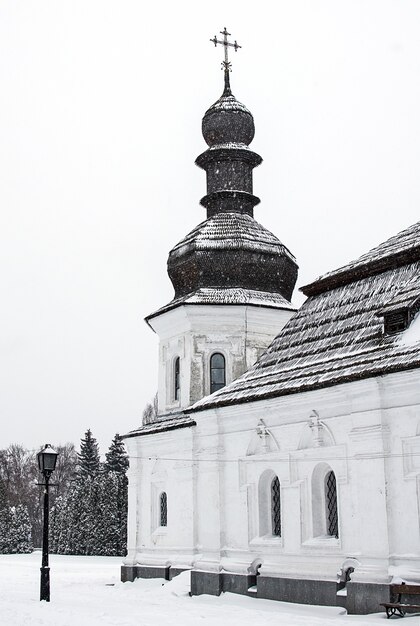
235 231
337 335
233 296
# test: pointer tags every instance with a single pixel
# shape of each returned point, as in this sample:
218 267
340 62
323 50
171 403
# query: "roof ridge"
400 249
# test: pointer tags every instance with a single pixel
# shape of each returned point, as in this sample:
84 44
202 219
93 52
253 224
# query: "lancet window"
177 378
275 507
163 509
331 504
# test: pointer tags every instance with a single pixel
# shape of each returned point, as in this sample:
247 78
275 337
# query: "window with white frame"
269 505
325 521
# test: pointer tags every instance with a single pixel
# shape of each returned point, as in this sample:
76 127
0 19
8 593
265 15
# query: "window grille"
275 507
177 381
163 509
217 372
331 500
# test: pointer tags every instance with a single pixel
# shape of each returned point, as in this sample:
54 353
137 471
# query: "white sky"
100 124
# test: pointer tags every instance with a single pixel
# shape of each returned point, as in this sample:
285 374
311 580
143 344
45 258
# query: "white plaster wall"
163 462
193 333
367 431
367 427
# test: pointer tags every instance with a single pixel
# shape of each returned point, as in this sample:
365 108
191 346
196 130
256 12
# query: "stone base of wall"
130 573
362 598
365 598
213 583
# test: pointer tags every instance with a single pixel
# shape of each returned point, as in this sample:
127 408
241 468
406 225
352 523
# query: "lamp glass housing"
47 459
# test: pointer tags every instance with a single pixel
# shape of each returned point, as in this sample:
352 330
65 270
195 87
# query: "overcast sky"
100 124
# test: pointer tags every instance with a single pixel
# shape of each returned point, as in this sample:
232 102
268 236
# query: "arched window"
217 372
177 380
269 505
331 504
275 507
163 509
324 502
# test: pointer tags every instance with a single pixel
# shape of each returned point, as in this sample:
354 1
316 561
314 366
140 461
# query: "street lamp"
47 459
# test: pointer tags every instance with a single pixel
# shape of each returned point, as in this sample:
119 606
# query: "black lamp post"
47 459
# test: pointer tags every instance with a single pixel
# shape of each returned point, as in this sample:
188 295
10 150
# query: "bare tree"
150 411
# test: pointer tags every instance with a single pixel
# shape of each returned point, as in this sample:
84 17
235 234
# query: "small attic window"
397 315
396 321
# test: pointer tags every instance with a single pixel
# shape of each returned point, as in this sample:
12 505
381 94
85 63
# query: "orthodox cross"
263 434
226 64
316 428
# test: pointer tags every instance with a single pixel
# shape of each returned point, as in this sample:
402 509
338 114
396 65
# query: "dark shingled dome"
228 121
232 250
230 257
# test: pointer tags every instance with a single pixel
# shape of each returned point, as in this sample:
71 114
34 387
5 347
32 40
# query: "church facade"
284 461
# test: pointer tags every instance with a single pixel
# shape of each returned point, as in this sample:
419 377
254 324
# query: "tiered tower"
233 279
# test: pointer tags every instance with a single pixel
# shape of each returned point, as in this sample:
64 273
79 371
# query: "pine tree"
116 466
5 523
88 457
91 517
116 457
20 530
107 527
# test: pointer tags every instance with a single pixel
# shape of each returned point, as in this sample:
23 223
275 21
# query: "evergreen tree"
91 517
20 530
88 457
116 457
5 523
117 464
108 528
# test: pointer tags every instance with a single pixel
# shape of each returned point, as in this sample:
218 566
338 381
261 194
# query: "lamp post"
47 459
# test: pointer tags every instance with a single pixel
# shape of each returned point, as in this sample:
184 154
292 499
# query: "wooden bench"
399 607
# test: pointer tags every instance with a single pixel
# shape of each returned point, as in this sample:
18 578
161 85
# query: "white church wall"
164 464
193 333
350 436
401 416
367 432
209 474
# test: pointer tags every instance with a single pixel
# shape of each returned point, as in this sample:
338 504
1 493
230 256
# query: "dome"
232 250
228 121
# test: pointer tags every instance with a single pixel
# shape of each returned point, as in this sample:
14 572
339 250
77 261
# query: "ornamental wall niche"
262 441
315 434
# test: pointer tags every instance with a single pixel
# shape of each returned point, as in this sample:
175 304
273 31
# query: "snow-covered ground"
86 591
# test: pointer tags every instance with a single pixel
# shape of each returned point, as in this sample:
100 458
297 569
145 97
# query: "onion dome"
230 255
232 250
228 121
228 129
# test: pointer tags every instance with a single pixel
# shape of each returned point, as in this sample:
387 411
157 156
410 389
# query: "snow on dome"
228 121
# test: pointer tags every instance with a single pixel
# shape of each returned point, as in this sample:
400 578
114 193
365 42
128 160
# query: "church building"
284 460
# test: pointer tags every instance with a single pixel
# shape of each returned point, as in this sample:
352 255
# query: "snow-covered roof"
398 250
227 103
235 296
161 425
231 231
337 335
